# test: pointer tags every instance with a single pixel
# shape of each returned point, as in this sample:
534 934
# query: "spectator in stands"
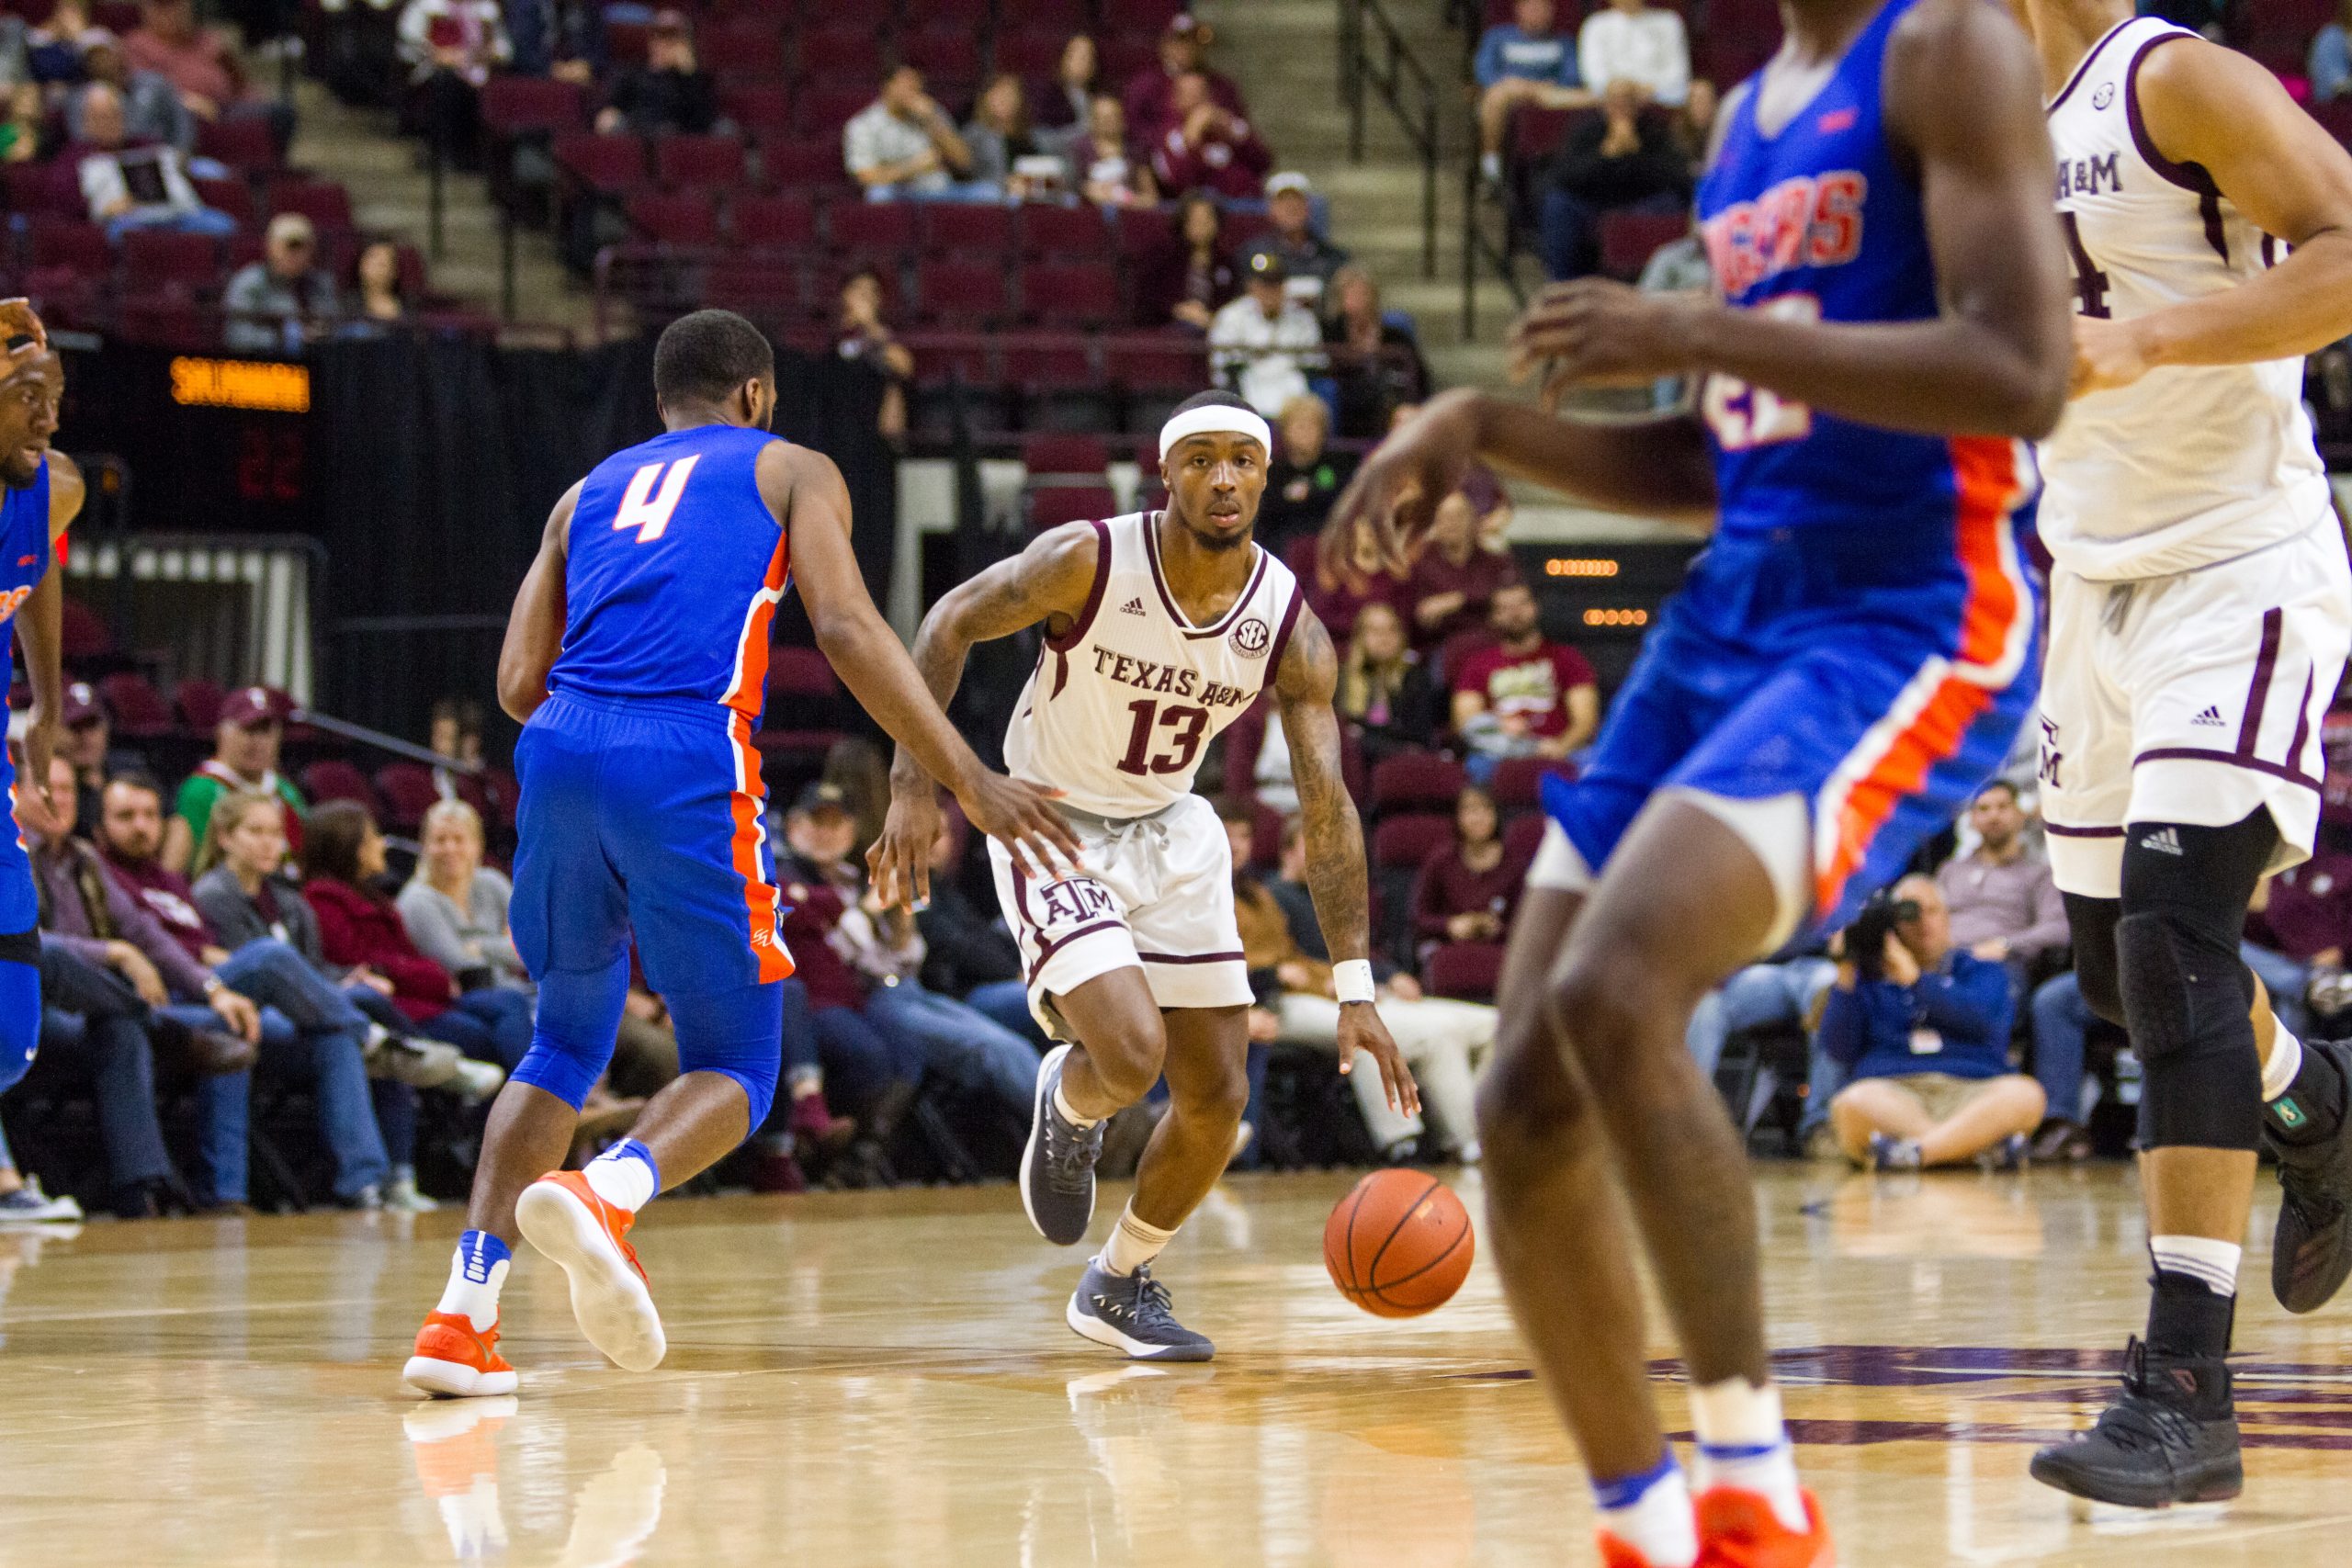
454 906
1454 579
86 746
1525 695
1679 266
2330 65
1105 166
1188 283
1528 61
1378 361
1208 147
450 48
342 857
903 144
1338 592
1385 689
1311 258
1305 478
246 743
1623 161
1468 887
152 110
670 93
279 302
1265 340
968 951
562 38
1925 1028
54 51
2297 937
1636 43
201 67
2002 907
866 338
378 300
1786 993
1151 96
129 185
1290 971
1067 106
998 136
21 135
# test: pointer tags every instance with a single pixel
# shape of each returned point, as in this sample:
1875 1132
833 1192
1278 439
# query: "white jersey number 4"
646 510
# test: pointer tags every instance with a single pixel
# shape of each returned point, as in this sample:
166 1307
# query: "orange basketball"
1399 1245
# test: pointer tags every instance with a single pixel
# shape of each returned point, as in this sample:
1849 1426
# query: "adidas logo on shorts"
2163 840
1133 607
2211 715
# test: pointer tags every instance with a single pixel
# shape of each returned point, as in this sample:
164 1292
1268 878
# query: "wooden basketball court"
885 1378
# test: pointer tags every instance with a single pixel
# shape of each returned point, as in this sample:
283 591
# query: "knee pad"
738 1034
19 1016
2185 998
571 1041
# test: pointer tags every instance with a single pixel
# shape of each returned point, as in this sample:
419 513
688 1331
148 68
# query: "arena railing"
1374 55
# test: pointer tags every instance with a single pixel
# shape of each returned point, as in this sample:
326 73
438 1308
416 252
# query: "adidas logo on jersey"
1133 607
2211 715
2163 840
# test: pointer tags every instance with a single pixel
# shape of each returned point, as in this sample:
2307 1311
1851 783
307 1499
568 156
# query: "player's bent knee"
563 1068
2185 998
1529 1103
738 1034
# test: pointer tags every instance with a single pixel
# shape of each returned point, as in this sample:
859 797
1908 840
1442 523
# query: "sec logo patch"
1251 637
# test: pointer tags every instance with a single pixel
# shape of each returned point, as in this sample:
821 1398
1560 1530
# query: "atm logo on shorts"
1074 899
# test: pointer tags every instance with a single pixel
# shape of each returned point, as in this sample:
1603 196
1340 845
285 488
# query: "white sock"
1133 1244
624 1176
1491 165
2213 1264
1743 1444
477 1274
2286 1061
1061 1104
1652 1514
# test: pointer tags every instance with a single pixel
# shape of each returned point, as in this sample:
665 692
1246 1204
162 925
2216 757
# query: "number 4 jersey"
1122 704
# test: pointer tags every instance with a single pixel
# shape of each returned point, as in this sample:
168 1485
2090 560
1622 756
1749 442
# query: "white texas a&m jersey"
1120 708
2190 465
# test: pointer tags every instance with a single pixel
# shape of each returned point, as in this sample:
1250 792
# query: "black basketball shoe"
2171 1438
2311 1252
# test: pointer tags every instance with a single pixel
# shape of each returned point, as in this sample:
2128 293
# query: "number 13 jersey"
1122 704
2190 465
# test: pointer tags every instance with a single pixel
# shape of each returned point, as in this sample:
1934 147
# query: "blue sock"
625 1175
1651 1513
475 1276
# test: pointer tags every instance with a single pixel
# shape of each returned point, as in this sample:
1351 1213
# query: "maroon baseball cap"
81 706
249 707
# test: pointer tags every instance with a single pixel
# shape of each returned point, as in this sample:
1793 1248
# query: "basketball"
1399 1245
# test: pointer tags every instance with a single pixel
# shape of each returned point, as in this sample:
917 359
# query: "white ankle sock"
1491 165
1652 1514
1061 1103
1133 1244
624 1176
2286 1061
477 1274
1743 1444
2213 1264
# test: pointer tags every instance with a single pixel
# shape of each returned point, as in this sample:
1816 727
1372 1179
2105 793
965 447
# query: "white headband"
1216 419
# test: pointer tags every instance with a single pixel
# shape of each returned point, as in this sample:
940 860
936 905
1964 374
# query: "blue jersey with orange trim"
673 571
24 543
1823 518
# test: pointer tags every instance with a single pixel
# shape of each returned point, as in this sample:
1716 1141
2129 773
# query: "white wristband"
1352 980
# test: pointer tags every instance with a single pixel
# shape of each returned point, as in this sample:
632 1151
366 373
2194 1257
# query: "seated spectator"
903 144
1622 161
54 50
2330 67
1923 1028
1105 166
998 136
129 185
562 38
1065 106
670 93
201 67
378 302
151 111
1786 993
2004 907
1385 688
278 303
868 338
2297 935
342 857
1524 62
1290 971
1455 579
450 48
1190 281
1643 46
245 742
969 954
1338 591
1208 147
1311 259
1265 340
1525 695
1467 889
21 135
1151 96
1377 361
88 744
1305 476
454 906
1679 266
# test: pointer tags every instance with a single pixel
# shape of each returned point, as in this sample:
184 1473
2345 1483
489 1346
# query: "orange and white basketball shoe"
1739 1529
456 1360
1619 1553
562 1216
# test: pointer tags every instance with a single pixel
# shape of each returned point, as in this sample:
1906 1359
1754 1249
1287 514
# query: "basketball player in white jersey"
2201 615
1162 627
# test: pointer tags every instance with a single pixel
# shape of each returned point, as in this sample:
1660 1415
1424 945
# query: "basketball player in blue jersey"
43 496
1849 658
635 658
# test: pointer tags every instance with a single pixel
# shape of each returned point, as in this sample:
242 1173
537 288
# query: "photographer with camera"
1923 1028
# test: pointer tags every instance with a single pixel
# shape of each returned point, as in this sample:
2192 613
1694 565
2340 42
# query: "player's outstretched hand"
898 864
1022 818
1393 496
17 318
1595 332
1361 1030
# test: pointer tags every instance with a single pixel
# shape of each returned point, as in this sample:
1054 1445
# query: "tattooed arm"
1335 860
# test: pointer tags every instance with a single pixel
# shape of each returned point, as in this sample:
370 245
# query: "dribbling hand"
1022 818
1361 1030
898 863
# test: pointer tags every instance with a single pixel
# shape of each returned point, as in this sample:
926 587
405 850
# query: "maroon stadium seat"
838 55
2337 116
1522 836
674 218
160 258
624 42
518 106
1419 781
1050 232
199 700
971 15
764 283
1404 842
827 106
699 162
969 294
1059 18
757 106
409 793
774 220
1137 19
324 202
137 708
82 246
602 163
234 197
967 231
949 59
801 685
1084 295
333 779
796 671
1465 971
792 163
872 228
1629 238
240 142
1155 373
1517 782
1060 389
1031 54
1054 505
1145 232
44 190
1536 134
743 45
1057 454
86 633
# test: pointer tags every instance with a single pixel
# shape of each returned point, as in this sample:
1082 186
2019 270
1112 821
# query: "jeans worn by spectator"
1568 228
490 1025
1756 997
862 1062
330 1062
94 1025
1006 1004
325 1045
963 1046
